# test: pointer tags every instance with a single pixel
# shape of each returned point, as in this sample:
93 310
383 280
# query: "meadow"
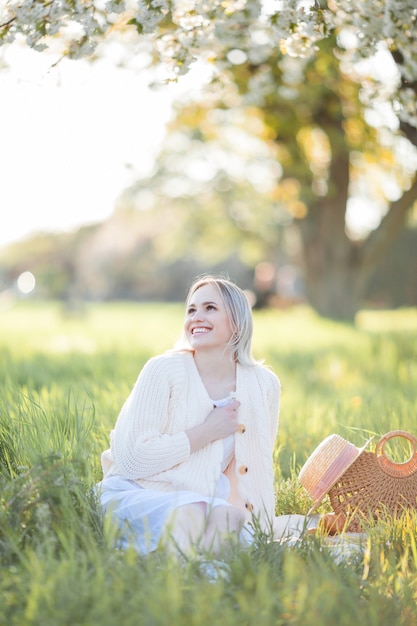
64 376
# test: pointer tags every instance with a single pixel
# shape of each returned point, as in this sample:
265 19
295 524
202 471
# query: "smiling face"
207 324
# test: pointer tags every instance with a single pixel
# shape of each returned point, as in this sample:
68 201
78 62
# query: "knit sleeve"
274 394
271 386
141 444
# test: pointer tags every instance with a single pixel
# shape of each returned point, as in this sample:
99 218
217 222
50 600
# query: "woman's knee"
228 519
190 516
185 528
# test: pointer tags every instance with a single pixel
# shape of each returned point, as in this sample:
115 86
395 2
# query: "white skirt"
142 514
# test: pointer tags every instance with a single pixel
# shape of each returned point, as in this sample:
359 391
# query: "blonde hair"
239 312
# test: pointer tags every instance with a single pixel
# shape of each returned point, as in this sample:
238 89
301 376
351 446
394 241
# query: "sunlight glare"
362 216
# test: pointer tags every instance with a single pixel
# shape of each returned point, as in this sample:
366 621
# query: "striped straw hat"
326 465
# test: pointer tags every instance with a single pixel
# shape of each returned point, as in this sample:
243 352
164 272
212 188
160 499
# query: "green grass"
64 376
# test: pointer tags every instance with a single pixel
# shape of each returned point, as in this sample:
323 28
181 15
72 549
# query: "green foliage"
64 379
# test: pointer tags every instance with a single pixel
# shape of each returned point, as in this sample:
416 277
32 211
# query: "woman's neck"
218 374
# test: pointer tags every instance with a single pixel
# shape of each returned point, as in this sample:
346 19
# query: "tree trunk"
336 269
330 257
330 263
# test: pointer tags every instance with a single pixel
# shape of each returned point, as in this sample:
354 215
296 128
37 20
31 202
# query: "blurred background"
293 175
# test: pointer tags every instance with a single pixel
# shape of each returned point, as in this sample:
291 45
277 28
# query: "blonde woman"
190 461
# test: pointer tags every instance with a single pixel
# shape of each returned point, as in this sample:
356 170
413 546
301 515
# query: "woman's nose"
198 314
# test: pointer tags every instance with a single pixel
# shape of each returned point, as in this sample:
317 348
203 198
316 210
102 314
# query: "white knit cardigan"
149 444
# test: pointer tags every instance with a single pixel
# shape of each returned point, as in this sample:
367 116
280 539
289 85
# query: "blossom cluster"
184 30
299 28
181 28
373 21
392 23
77 22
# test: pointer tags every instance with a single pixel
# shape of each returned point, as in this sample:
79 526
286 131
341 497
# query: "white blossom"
115 6
184 30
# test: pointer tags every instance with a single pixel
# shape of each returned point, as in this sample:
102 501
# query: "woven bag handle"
398 470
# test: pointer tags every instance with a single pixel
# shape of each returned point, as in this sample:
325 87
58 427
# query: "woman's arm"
139 445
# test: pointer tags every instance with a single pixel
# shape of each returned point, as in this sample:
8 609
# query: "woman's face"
207 324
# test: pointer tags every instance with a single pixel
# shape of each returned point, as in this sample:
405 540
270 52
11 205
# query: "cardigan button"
243 469
242 428
249 506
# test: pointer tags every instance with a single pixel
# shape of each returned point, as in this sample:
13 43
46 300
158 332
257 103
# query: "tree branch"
409 131
7 24
387 232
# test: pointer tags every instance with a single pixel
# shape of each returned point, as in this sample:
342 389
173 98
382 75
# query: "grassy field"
64 376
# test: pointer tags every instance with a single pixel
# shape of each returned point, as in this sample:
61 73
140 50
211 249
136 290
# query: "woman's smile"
200 330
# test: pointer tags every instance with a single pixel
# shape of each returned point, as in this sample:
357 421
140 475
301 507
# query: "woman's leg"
185 528
222 523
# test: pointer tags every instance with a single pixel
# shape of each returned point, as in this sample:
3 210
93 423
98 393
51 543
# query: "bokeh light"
26 282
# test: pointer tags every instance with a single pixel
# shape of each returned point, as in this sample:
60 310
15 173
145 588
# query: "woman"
190 461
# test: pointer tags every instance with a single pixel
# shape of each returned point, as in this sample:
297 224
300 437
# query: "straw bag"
375 486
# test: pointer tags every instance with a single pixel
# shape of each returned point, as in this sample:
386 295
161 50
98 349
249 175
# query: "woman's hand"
222 421
219 423
331 524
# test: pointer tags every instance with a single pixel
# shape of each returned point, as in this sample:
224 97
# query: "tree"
252 49
286 138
